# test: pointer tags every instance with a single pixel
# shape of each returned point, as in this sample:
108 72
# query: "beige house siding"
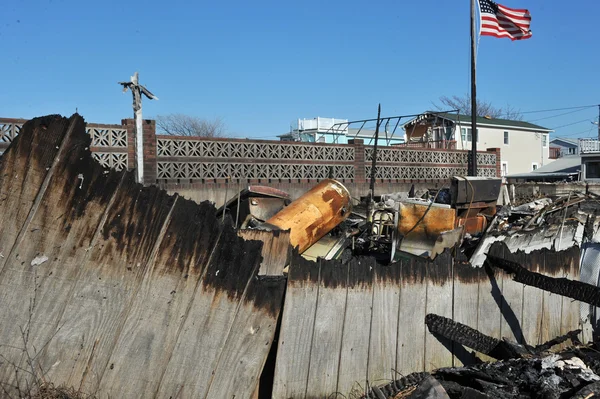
524 147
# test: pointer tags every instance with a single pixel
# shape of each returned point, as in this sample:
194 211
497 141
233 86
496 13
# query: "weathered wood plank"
100 300
246 349
155 320
384 323
210 317
555 266
512 303
466 304
276 250
438 351
24 167
411 318
328 328
297 327
352 375
532 301
61 230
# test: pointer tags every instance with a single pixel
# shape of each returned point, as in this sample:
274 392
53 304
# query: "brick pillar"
149 150
359 159
498 160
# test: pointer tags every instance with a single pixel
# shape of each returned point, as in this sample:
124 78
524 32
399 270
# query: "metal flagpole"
598 121
473 160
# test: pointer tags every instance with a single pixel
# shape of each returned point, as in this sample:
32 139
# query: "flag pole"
473 163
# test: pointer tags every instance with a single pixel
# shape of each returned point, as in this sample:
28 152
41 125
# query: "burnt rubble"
569 374
523 372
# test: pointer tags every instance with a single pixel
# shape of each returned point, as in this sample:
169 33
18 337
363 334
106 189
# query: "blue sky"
261 64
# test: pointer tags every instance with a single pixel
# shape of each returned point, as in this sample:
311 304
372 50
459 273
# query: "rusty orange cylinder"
314 214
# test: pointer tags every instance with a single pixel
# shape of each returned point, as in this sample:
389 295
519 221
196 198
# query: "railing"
589 145
320 124
442 144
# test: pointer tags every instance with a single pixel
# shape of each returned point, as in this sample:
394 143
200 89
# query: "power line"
571 124
556 116
558 109
576 133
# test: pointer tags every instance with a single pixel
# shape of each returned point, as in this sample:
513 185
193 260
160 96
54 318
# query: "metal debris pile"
465 216
543 211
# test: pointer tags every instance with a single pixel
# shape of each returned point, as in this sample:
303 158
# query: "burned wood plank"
355 338
384 322
562 286
210 320
466 299
166 293
245 351
438 353
413 303
297 326
328 328
276 250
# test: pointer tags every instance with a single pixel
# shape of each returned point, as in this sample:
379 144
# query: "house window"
463 134
592 170
544 140
470 135
571 150
506 138
534 166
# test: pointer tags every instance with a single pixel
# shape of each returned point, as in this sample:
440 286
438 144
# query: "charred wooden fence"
345 327
118 289
125 291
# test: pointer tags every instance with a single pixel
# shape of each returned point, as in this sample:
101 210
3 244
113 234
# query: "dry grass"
49 391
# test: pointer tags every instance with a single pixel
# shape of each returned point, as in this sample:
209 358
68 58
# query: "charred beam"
572 335
395 387
472 338
572 289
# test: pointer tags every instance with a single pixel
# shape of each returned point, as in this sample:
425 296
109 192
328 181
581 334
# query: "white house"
523 146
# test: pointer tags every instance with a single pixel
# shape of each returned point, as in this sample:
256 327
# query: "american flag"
500 21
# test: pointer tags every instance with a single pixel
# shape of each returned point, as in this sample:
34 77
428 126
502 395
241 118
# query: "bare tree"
186 125
484 108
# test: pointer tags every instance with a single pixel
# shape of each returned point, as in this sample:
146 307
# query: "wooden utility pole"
137 90
473 163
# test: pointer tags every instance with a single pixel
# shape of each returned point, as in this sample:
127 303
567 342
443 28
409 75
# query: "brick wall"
203 168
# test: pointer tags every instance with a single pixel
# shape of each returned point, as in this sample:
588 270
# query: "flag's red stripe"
513 20
507 33
503 24
513 38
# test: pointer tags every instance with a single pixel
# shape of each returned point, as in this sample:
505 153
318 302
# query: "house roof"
495 122
573 142
567 165
466 119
